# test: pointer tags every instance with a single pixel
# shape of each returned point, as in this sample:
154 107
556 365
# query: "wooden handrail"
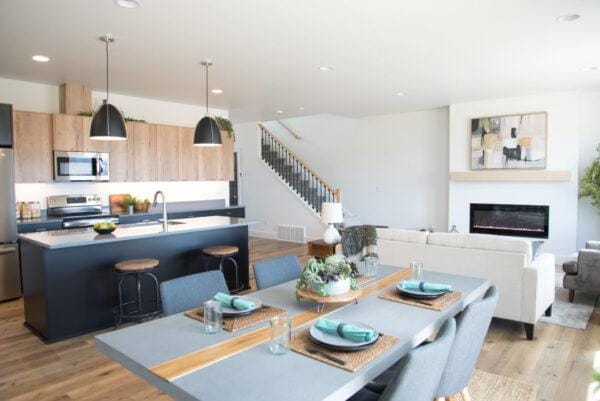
337 193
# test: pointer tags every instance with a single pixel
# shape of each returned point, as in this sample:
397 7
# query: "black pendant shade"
108 124
207 133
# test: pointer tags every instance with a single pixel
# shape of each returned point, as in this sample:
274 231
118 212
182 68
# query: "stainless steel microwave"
81 166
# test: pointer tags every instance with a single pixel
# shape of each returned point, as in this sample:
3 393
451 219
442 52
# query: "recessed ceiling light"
278 111
217 91
326 67
40 59
590 68
568 18
129 3
301 108
401 94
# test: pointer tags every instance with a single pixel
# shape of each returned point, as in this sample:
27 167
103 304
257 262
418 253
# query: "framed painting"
509 142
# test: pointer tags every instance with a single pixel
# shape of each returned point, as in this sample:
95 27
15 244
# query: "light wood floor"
559 360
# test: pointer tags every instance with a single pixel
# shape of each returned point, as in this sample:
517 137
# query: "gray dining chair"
271 272
189 292
471 328
418 374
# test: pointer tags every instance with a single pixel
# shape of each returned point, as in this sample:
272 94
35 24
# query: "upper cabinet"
144 152
33 146
167 148
150 153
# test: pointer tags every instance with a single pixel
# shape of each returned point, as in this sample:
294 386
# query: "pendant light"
108 123
207 131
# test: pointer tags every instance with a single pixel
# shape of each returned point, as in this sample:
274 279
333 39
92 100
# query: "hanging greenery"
590 183
225 125
128 119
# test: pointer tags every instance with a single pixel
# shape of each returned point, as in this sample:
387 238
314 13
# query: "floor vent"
291 233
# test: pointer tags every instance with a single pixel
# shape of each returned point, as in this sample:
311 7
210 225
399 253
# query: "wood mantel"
511 175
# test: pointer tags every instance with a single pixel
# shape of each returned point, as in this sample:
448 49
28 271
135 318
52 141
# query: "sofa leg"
571 296
529 331
548 312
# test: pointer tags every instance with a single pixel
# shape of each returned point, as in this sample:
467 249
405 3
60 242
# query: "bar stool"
223 253
136 268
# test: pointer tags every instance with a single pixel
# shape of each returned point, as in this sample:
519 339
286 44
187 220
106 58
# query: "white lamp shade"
332 213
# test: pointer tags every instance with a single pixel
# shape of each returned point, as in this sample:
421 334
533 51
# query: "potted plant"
333 276
590 183
129 201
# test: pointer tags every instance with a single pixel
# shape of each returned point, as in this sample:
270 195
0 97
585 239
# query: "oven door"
80 166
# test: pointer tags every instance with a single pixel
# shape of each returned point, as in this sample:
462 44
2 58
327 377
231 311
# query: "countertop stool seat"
226 253
137 269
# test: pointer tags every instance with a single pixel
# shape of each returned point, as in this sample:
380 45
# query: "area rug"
486 386
575 315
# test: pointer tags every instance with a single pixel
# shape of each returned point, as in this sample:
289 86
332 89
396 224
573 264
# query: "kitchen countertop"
87 236
106 212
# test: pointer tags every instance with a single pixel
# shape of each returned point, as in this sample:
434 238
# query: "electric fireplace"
512 220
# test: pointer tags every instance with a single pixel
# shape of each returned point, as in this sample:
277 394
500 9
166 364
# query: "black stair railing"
296 173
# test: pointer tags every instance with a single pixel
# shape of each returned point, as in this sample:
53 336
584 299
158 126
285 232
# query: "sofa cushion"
397 234
481 241
570 267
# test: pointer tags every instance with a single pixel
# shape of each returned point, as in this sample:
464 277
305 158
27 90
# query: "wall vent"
291 233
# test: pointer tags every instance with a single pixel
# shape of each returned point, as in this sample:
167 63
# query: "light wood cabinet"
167 148
207 162
93 145
225 158
188 155
121 158
67 132
144 143
33 146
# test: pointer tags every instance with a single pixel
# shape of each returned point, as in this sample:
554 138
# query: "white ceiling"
267 52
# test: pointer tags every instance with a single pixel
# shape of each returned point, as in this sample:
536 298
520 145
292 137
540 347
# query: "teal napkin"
233 302
427 287
348 331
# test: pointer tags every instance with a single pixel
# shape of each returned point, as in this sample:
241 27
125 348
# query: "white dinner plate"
227 311
338 342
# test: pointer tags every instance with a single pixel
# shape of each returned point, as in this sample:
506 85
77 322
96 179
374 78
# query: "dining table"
174 354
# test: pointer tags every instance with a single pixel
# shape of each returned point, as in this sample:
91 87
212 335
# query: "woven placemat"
234 324
439 304
354 360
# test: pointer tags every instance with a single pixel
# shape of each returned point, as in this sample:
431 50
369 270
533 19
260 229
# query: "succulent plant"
318 273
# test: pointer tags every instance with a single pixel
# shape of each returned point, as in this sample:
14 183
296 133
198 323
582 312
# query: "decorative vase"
331 235
339 287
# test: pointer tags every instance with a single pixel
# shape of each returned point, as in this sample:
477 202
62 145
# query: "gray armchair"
583 274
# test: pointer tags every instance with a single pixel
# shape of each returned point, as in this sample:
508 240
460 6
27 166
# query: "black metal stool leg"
139 293
157 289
121 304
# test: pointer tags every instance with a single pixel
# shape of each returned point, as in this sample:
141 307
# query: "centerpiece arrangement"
331 277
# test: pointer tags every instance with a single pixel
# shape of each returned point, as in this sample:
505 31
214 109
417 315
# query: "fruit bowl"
104 227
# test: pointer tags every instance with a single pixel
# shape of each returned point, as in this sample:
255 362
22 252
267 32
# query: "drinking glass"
370 266
213 316
416 269
281 335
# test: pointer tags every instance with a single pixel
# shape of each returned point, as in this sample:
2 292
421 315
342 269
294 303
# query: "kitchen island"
69 280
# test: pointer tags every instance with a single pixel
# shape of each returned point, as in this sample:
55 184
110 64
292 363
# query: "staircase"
301 179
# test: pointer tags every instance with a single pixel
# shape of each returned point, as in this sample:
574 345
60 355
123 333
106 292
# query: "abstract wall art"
509 142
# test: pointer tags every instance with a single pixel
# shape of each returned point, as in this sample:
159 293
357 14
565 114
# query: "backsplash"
175 191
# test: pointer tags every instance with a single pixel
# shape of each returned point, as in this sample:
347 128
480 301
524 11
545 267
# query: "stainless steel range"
79 210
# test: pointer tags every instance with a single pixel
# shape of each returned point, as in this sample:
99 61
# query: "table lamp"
331 213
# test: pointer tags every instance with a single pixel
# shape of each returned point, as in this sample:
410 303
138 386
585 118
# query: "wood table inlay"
186 364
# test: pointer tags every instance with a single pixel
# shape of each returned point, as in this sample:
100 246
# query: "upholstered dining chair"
471 328
189 292
418 374
271 272
584 273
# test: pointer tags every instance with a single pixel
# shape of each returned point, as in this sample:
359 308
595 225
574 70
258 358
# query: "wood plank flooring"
559 360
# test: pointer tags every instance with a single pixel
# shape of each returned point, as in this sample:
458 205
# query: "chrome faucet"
164 205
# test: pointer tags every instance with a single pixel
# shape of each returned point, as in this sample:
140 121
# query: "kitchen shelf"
511 175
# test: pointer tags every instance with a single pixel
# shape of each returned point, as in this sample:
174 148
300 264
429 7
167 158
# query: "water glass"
281 335
213 316
416 269
370 266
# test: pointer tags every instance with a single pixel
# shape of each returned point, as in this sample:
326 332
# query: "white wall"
392 169
563 154
589 216
31 96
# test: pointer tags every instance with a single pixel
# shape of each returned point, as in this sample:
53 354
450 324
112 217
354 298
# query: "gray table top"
87 236
256 374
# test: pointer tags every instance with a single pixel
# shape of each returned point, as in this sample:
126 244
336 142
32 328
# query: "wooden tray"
350 296
116 203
